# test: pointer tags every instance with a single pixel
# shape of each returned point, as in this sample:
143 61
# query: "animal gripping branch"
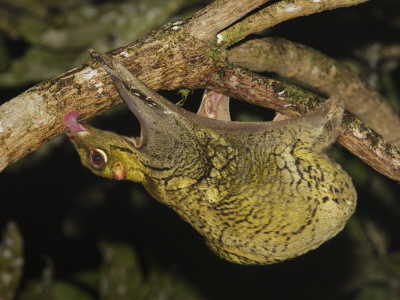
259 193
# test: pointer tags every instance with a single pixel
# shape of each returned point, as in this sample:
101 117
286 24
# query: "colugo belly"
259 193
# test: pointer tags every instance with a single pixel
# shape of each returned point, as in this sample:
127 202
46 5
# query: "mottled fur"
259 193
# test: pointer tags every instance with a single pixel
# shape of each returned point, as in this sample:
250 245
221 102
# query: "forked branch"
313 68
278 13
178 54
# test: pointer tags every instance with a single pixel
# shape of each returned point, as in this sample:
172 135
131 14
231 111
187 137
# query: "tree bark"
311 67
184 53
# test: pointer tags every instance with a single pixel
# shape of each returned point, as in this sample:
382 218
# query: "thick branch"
315 69
365 143
278 13
218 15
355 136
167 58
35 116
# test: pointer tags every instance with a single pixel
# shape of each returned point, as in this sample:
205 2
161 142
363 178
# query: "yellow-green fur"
259 193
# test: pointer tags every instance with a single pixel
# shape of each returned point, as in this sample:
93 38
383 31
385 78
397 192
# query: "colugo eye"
98 158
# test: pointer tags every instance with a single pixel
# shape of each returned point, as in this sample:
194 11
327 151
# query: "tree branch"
315 69
370 147
355 136
219 15
167 58
278 13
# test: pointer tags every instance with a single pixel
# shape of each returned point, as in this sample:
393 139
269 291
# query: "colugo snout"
259 193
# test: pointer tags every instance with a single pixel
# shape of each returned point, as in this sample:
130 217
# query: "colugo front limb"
258 192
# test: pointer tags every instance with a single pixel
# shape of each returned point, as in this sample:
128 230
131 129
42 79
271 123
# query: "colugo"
258 192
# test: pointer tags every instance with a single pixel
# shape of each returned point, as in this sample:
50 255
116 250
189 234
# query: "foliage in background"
11 261
58 33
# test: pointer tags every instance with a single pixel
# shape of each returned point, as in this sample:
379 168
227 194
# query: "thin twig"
213 19
278 13
315 69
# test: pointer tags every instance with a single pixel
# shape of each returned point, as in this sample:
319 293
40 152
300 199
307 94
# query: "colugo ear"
214 105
